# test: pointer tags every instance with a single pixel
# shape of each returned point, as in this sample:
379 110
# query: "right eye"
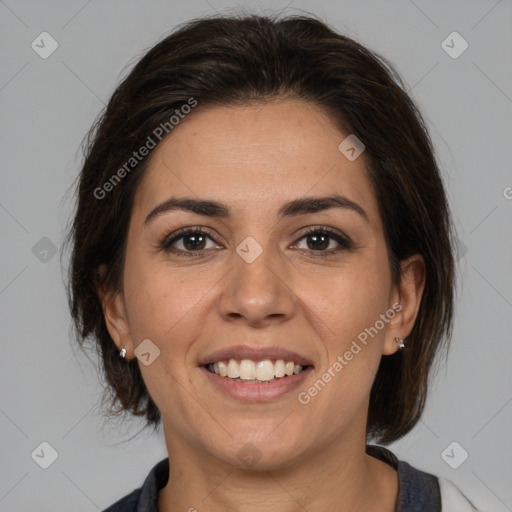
188 241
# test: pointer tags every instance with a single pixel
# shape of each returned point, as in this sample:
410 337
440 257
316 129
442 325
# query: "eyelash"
345 244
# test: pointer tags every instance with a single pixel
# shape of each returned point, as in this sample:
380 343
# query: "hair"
236 60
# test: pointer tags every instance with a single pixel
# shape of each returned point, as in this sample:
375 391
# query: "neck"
341 478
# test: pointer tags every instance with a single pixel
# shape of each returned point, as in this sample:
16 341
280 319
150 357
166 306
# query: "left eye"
322 241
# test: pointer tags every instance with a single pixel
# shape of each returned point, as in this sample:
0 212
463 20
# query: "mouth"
256 374
249 371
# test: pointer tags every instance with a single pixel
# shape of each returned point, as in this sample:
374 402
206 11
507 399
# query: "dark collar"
419 491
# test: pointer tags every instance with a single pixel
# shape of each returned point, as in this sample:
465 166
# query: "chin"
260 454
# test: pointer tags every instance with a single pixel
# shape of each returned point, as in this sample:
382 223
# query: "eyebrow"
293 208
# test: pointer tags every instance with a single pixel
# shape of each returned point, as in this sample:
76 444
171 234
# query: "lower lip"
254 392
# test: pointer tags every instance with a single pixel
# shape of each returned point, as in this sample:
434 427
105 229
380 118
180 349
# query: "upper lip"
255 354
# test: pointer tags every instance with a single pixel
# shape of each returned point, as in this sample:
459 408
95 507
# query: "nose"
257 294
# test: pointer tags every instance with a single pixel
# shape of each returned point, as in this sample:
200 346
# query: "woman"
262 255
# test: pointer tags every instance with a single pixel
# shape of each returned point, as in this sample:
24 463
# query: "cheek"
345 309
352 349
345 303
161 303
165 308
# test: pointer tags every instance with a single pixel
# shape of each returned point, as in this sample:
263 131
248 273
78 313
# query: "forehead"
254 157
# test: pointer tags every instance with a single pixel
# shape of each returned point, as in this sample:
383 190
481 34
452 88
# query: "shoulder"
420 490
145 499
453 499
127 504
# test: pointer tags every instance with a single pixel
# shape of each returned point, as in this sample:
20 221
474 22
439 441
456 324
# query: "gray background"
49 391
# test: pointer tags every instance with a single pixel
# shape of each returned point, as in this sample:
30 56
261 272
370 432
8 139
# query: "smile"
255 374
249 371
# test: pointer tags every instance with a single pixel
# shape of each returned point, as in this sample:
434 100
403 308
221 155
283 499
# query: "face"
241 264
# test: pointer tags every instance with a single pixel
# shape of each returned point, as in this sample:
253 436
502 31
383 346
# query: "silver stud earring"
400 342
123 353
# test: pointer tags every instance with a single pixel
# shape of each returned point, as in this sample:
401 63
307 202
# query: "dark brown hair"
239 59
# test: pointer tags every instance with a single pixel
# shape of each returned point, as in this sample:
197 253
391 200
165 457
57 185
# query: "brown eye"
194 242
318 242
187 241
324 241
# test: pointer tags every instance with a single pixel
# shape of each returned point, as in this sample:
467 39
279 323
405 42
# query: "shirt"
419 491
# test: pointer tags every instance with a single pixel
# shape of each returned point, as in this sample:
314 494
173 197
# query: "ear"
408 294
116 319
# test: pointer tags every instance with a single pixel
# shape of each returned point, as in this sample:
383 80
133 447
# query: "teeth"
249 371
223 369
280 368
265 370
233 369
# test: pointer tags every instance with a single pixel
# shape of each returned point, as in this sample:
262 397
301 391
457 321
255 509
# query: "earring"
123 353
400 342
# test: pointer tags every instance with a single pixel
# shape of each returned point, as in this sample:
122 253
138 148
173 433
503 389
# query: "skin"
254 159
